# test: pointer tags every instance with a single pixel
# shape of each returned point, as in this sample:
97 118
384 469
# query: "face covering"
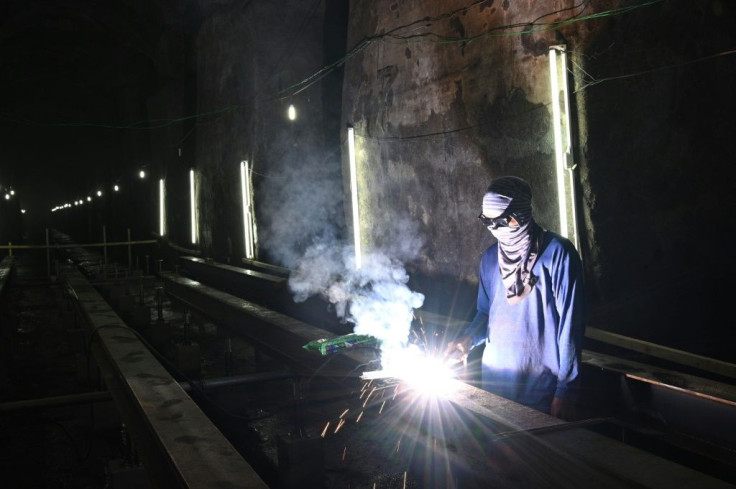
518 246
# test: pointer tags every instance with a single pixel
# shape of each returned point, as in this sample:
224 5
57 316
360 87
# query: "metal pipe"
103 396
56 401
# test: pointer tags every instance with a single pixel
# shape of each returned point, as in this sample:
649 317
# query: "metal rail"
663 352
179 445
6 270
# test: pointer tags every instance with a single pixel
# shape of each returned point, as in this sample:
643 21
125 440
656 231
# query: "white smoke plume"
374 297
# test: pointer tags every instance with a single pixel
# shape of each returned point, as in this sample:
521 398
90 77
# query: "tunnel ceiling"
69 73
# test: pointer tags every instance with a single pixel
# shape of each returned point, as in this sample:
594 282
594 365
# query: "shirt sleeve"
569 296
478 327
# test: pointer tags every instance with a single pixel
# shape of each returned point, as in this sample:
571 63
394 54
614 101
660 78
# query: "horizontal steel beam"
281 336
179 445
700 362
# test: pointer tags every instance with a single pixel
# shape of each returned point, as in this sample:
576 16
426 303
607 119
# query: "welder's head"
507 203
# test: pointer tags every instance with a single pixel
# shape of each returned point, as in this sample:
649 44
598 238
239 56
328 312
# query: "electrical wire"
389 37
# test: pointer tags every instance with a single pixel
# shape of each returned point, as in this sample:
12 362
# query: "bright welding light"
292 112
116 188
99 193
427 375
142 174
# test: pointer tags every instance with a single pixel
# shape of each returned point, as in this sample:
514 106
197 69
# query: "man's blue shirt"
533 348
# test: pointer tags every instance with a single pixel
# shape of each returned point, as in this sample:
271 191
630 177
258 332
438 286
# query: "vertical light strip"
569 162
192 207
161 207
563 143
248 227
354 196
557 130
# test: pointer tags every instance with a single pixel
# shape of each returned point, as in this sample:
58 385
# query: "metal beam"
179 445
663 352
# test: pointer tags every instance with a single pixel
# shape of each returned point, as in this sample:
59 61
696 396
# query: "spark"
344 452
324 431
382 405
339 425
359 416
369 396
344 413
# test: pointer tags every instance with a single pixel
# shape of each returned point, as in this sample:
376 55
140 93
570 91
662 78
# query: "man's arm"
571 307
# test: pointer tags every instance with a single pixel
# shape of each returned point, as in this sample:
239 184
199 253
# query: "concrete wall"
445 95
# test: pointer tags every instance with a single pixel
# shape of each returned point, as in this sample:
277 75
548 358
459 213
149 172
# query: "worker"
531 308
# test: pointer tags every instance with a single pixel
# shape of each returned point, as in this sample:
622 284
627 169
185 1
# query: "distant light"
142 174
116 188
7 196
76 202
22 211
12 192
292 112
99 193
89 199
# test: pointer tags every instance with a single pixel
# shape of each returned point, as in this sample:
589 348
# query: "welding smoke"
375 297
299 206
302 226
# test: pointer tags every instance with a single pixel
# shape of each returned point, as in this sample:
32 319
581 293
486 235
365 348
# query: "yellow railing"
104 245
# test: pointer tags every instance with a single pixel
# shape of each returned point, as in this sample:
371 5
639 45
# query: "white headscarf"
518 247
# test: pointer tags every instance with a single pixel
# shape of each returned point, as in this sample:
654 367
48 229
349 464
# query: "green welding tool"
330 346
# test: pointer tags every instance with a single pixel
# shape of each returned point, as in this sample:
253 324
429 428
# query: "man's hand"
563 409
457 350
